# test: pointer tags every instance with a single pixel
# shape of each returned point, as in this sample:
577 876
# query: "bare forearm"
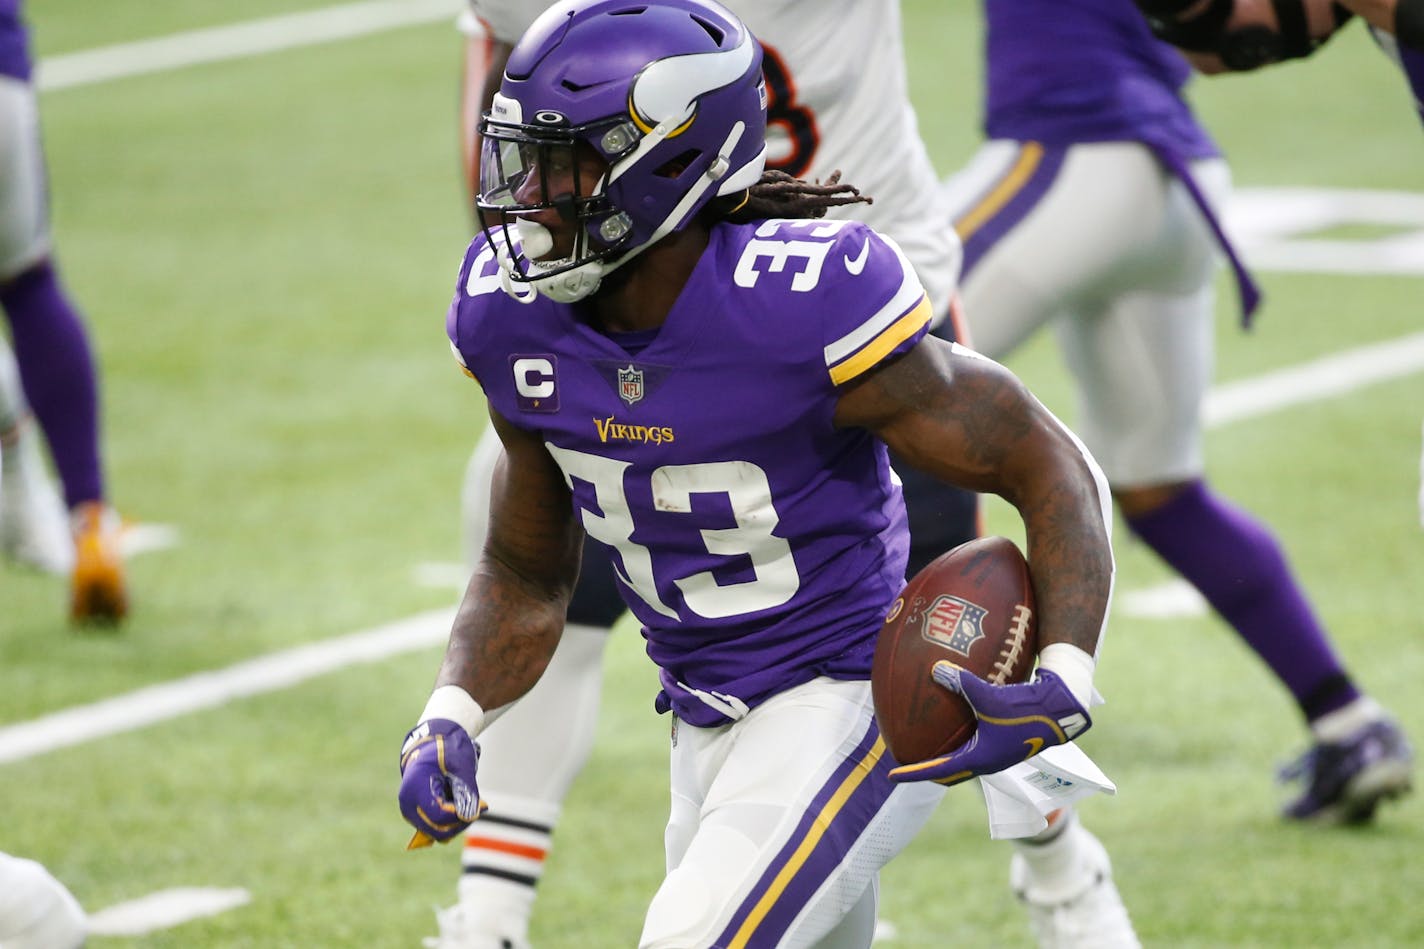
503 635
1069 556
513 612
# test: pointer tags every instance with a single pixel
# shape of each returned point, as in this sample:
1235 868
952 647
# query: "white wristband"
454 703
1073 666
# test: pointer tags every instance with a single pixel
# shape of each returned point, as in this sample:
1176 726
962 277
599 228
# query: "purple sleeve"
880 311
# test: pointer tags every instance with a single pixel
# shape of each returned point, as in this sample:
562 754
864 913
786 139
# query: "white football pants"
24 210
1119 258
780 824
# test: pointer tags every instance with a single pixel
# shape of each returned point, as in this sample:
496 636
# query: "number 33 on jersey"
697 457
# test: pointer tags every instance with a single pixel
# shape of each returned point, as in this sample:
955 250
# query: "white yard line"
146 538
164 910
238 40
1315 381
205 690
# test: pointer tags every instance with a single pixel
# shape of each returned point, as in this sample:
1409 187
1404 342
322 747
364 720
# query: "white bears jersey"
837 99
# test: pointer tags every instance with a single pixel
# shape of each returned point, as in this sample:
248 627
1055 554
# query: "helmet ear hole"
711 28
674 167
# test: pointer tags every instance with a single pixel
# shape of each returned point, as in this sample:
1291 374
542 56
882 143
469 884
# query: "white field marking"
164 910
146 538
238 40
1314 381
205 690
1169 600
1275 230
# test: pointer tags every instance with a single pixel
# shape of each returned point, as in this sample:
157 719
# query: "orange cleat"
97 590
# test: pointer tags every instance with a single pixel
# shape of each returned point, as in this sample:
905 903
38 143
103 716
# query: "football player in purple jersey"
826 111
1093 206
685 362
56 367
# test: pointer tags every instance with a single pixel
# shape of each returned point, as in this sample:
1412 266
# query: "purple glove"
438 796
1016 722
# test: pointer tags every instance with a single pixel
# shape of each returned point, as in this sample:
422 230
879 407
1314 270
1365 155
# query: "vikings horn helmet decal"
667 93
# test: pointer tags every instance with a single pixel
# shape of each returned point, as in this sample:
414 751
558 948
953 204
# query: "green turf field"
265 249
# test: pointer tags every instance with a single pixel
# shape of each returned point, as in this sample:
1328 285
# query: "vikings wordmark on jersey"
698 455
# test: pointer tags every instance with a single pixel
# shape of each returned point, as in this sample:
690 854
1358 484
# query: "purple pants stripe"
833 822
1008 201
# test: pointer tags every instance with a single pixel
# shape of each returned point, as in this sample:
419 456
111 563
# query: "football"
973 606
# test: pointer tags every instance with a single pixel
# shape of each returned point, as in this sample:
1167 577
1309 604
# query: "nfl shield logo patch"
630 384
954 623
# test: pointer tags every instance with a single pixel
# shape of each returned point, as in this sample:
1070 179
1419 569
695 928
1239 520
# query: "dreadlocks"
779 195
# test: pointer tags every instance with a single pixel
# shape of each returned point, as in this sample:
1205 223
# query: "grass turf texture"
265 248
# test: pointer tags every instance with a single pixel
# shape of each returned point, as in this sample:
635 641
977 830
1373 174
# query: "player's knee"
696 896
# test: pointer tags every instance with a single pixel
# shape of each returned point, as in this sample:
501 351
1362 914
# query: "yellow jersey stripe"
1003 192
905 297
899 331
862 770
461 360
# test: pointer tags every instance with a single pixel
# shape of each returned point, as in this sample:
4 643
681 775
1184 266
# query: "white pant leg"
13 406
475 493
780 823
1117 253
24 211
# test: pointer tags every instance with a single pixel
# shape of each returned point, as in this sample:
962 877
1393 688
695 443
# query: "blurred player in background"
36 910
1093 207
827 111
34 527
623 159
1241 35
56 366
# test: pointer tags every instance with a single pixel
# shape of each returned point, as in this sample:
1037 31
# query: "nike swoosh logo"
1035 745
857 263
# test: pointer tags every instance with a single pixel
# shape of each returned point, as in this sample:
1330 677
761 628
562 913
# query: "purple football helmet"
668 93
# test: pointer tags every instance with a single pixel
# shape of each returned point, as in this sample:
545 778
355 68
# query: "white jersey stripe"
902 302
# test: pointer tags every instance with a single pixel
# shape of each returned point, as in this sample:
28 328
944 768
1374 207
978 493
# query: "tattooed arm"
512 614
970 422
504 633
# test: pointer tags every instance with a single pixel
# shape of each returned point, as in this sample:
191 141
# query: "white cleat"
1081 911
463 927
34 526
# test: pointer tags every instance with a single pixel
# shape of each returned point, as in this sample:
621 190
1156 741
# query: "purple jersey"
1412 61
14 44
759 545
1063 72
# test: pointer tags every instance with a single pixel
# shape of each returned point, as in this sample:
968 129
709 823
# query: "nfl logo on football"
630 384
954 623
